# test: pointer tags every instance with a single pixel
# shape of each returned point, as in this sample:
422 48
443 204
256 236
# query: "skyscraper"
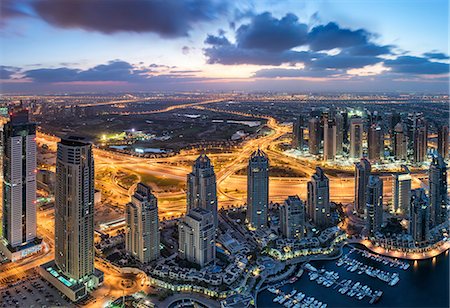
257 189
201 187
400 142
420 144
73 271
375 143
319 198
362 173
142 236
314 134
401 192
197 237
419 222
437 177
19 187
443 141
339 120
374 205
356 137
292 218
298 130
329 140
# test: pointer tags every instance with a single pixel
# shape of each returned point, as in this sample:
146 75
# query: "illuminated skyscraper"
196 233
375 143
374 205
201 187
443 141
329 140
72 271
400 142
339 119
419 222
293 218
298 133
142 236
356 138
319 198
314 135
401 192
437 177
19 187
257 189
420 144
362 173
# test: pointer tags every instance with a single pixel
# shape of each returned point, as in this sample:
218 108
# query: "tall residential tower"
257 190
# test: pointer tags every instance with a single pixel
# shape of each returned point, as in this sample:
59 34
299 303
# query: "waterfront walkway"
400 254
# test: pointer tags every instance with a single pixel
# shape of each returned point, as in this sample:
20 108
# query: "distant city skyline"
84 46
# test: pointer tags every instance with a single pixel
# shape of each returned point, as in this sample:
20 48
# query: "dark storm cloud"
326 37
168 18
268 33
416 65
436 55
266 40
112 71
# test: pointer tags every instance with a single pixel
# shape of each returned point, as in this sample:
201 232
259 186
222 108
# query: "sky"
64 46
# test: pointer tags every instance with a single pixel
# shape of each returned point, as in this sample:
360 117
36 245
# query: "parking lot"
32 292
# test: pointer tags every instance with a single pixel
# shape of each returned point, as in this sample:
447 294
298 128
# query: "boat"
394 281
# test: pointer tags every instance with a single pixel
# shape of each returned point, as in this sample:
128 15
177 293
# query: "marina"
346 286
382 259
296 299
419 278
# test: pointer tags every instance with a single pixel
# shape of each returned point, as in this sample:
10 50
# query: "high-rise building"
339 119
19 187
374 205
314 135
400 142
319 198
72 271
356 137
420 144
197 237
142 236
401 193
201 187
292 218
257 190
362 173
298 133
375 143
437 177
329 140
419 222
443 141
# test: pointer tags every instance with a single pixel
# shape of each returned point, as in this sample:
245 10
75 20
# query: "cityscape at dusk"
213 153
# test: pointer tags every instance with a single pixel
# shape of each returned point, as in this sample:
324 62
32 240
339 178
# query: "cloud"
268 33
217 40
416 65
368 49
232 55
185 50
294 73
168 18
11 8
344 61
112 71
6 72
436 55
330 36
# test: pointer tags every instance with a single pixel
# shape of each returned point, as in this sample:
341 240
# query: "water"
424 284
